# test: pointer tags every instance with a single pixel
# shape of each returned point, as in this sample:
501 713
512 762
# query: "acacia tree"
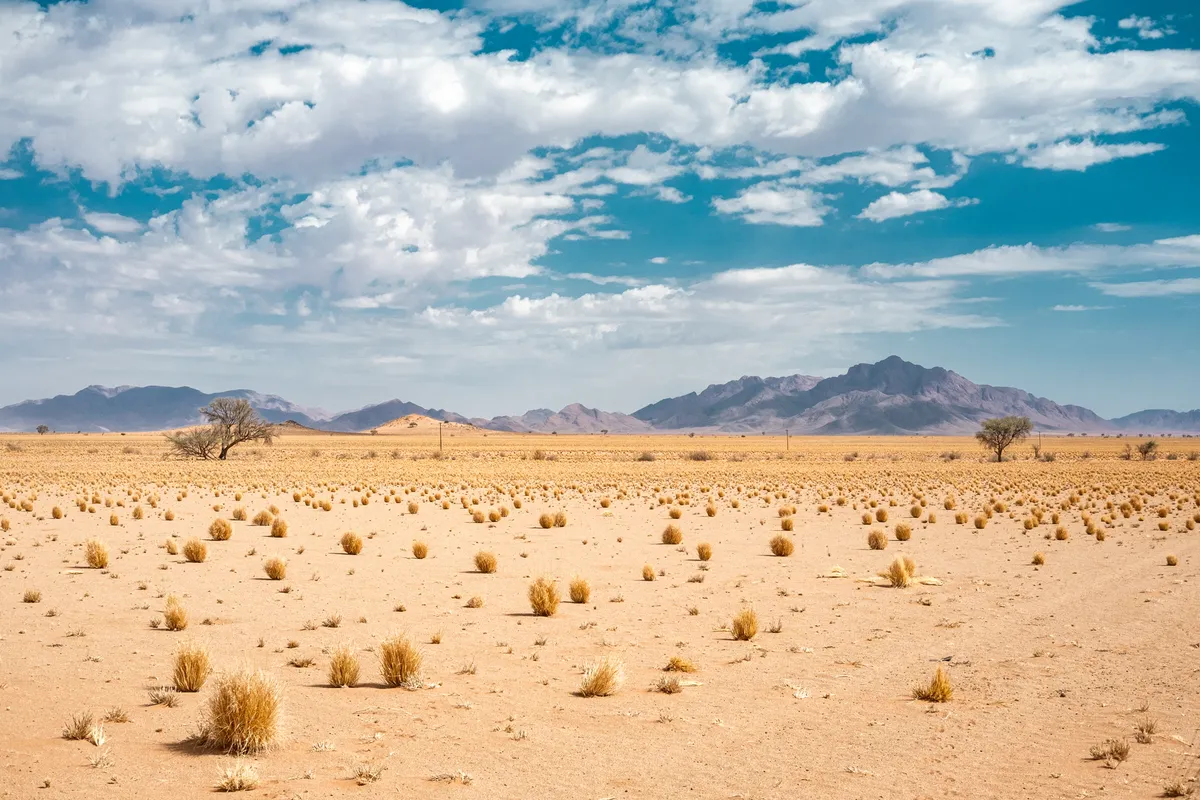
43 429
1148 449
230 421
998 433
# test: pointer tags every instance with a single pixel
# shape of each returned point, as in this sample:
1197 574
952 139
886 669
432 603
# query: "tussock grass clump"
787 524
413 507
276 568
745 625
239 514
1039 559
602 678
1061 534
679 664
221 530
579 590
899 573
343 668
867 519
175 617
980 522
877 540
710 510
238 777
279 528
31 596
172 547
782 546
648 573
939 689
704 551
477 516
97 554
192 668
420 549
668 684
672 535
881 515
400 662
195 551
114 520
352 543
560 519
544 597
546 520
485 562
262 519
164 696
1112 751
56 512
1172 561
242 714
903 532
79 727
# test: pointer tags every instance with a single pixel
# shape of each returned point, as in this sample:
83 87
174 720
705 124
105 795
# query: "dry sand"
1045 661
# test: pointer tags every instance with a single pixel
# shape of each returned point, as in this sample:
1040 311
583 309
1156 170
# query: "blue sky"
515 203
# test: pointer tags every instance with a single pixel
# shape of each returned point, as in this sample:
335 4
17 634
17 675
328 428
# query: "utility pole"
788 439
440 437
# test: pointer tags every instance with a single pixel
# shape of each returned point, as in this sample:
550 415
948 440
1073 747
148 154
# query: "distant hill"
892 396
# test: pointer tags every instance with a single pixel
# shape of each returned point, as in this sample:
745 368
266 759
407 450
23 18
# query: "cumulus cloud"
1145 27
899 204
111 223
1081 155
776 205
1111 227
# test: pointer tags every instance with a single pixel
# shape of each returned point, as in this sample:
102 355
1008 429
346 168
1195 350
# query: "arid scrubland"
709 616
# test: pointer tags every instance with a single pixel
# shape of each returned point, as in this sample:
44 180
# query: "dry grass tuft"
939 689
239 777
546 520
679 664
704 551
782 546
239 514
79 727
276 568
580 590
31 596
1039 559
192 668
242 715
343 667
221 530
544 597
97 554
279 528
175 616
668 684
352 543
648 573
560 519
485 562
420 549
262 519
164 696
1172 561
195 551
400 662
745 625
898 574
602 678
672 535
903 532
877 540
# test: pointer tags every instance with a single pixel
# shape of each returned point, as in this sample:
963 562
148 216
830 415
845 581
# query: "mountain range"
892 396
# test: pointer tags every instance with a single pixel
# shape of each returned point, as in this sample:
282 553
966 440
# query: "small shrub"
262 519
352 543
672 535
544 597
560 519
31 596
903 532
704 551
546 520
602 678
192 668
1039 559
579 590
399 662
175 617
420 549
239 514
1172 561
980 522
413 507
648 573
877 540
195 551
343 668
787 523
679 664
97 554
745 625
221 530
242 715
939 689
881 515
782 546
485 562
898 573
279 528
276 568
239 777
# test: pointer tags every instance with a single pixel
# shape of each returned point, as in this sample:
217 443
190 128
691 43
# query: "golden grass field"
1073 677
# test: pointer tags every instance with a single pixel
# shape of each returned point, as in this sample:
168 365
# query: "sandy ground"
1045 661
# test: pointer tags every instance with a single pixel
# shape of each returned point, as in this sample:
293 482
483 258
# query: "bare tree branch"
231 421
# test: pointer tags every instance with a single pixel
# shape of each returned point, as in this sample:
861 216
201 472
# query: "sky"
507 204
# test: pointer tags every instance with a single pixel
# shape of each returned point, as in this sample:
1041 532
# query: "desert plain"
1060 598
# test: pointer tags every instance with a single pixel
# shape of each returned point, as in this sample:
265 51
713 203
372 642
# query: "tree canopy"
230 421
998 433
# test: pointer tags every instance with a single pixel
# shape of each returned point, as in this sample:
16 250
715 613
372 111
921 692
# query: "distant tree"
43 428
997 434
230 421
1148 449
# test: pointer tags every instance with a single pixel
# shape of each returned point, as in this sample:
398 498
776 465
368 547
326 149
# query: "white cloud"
767 205
1156 288
8 174
1081 155
899 204
658 260
1145 27
1111 227
1079 308
112 223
